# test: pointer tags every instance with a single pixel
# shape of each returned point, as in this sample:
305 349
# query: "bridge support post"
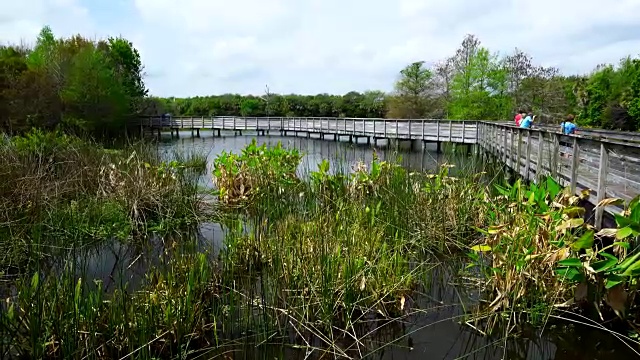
198 132
438 147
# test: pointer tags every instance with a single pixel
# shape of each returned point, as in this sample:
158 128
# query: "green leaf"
624 232
634 209
632 269
571 274
622 221
481 248
570 262
553 187
574 211
613 280
604 265
585 241
624 265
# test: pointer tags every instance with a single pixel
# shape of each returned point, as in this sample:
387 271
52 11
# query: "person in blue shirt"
567 126
527 121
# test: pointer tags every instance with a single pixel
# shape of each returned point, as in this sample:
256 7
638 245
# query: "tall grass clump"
174 310
331 250
59 190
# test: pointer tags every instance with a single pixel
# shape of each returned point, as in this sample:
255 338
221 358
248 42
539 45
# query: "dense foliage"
95 87
474 83
81 85
353 104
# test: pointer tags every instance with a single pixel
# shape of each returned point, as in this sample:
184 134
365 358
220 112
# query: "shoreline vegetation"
309 259
325 261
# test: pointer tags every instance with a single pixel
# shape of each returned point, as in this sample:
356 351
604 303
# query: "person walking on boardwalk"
527 122
568 126
519 116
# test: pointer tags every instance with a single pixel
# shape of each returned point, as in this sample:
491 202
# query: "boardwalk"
605 162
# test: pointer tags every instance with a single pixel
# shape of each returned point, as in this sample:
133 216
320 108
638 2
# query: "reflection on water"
433 332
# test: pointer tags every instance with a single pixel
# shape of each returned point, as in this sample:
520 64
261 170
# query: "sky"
206 47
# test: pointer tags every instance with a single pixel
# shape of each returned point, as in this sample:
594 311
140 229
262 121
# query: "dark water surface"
433 333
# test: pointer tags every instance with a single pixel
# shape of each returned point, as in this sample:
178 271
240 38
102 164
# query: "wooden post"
423 132
450 131
385 128
504 140
234 123
575 162
555 156
602 183
512 144
409 128
397 133
374 131
527 167
438 131
464 128
539 166
519 151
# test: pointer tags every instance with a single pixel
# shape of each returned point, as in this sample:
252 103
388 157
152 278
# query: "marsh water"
435 332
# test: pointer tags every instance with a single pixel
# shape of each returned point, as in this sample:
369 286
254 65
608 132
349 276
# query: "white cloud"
193 47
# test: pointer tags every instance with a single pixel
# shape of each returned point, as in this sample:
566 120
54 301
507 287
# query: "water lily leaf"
610 202
585 241
481 248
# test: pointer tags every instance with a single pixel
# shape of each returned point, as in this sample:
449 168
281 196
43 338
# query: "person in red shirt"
519 116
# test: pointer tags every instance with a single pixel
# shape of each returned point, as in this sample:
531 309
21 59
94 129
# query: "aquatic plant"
541 256
59 190
259 171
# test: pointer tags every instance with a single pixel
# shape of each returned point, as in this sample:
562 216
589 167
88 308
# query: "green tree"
412 91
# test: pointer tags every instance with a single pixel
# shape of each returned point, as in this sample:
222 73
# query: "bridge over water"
605 162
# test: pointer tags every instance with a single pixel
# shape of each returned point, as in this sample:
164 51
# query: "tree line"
77 84
353 104
474 84
97 87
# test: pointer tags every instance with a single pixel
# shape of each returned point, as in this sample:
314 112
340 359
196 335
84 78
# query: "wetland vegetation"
327 258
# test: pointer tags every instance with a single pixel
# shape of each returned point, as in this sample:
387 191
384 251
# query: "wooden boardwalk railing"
606 167
428 130
605 162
